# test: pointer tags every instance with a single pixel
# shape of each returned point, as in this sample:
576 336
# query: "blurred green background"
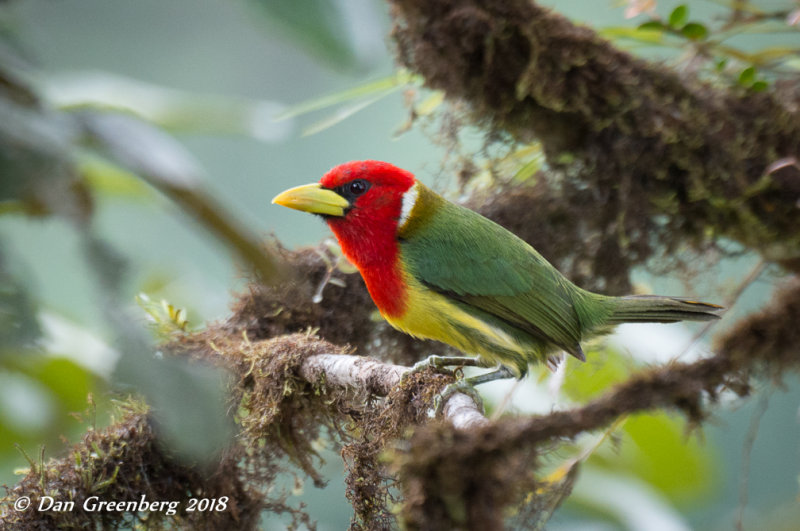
215 55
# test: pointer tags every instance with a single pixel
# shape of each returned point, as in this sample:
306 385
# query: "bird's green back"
462 255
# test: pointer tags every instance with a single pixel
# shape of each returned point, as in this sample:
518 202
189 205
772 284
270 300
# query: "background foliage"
118 119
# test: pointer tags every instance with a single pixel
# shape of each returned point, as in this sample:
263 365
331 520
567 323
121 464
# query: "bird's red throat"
372 247
367 234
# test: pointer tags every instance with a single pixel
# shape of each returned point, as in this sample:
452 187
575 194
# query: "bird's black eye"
352 190
357 187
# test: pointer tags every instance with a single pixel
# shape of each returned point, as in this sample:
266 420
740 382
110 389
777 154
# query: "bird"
437 270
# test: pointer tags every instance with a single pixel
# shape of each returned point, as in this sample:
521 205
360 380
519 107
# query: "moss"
283 417
671 159
455 479
645 162
397 461
369 487
280 415
770 336
123 463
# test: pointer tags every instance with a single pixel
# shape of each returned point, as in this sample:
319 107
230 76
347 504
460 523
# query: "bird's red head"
374 190
363 203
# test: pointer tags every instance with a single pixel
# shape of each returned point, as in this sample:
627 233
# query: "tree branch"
379 378
643 140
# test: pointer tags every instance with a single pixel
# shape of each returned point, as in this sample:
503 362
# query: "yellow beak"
313 198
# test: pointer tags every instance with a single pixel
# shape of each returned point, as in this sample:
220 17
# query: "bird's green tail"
660 309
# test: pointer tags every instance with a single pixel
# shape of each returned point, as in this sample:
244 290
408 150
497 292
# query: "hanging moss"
671 159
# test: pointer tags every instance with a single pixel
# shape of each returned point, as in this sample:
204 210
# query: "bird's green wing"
463 255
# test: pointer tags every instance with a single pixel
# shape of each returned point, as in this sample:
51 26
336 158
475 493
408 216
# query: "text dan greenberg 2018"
95 504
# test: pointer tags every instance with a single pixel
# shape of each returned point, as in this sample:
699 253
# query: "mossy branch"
126 462
664 153
286 389
375 377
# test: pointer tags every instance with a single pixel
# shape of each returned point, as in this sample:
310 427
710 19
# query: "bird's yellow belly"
430 315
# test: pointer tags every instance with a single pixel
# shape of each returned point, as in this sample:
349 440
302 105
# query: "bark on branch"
380 378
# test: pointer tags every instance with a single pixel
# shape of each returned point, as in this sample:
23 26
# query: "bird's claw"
431 361
460 386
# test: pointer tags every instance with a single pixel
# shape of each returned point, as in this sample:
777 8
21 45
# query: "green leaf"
679 16
188 401
650 34
652 25
528 170
68 381
106 178
340 115
774 53
19 323
694 31
430 104
167 319
371 88
146 150
759 86
171 109
747 77
588 380
45 391
36 164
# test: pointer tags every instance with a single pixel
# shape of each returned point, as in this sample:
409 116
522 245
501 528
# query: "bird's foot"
467 386
500 374
460 386
438 362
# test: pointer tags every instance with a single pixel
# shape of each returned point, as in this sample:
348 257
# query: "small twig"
729 303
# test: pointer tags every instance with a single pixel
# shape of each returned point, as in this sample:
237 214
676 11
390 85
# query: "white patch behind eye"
409 200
